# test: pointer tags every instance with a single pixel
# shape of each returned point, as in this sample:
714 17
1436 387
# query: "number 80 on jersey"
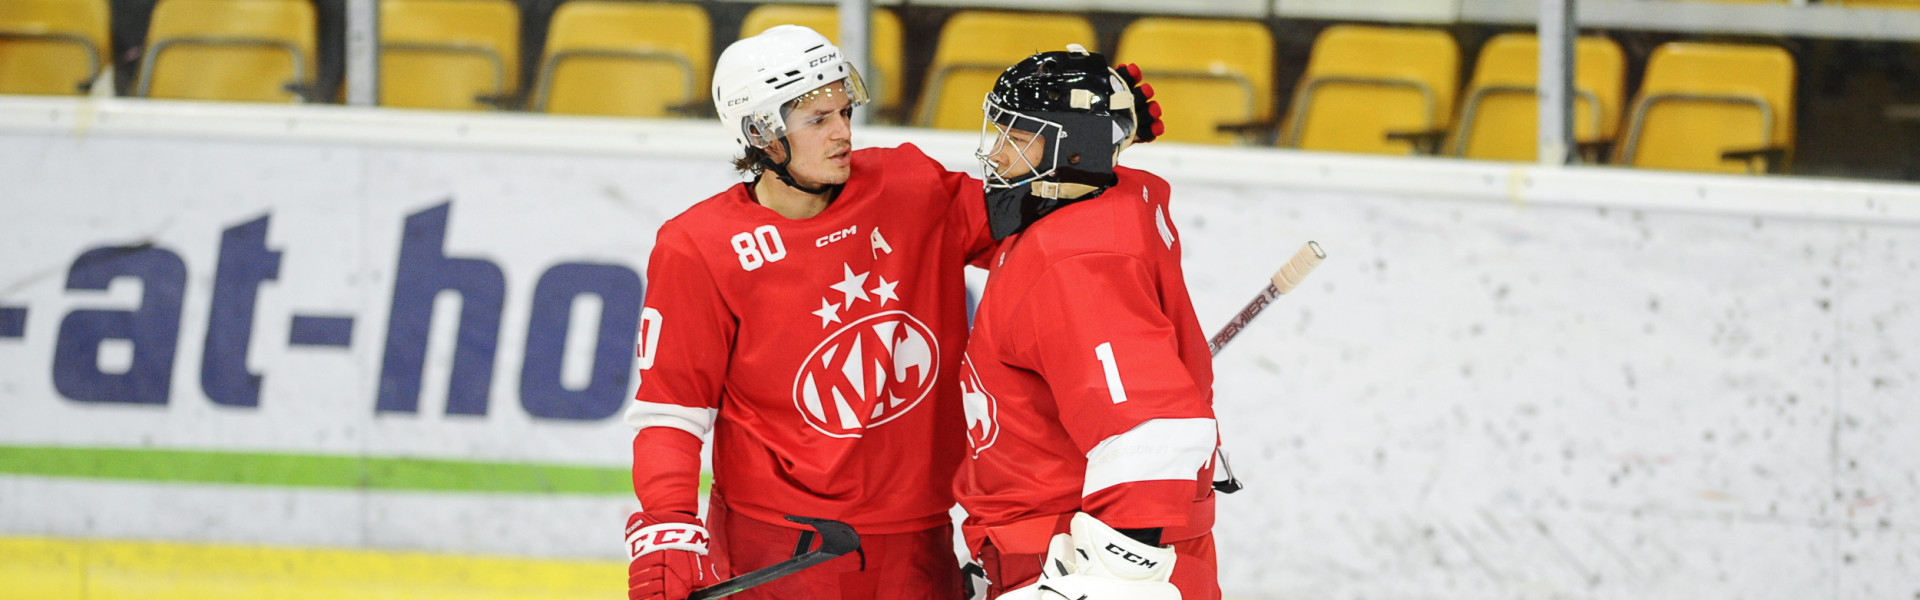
759 247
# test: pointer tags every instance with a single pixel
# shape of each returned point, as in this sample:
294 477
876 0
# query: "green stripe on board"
313 471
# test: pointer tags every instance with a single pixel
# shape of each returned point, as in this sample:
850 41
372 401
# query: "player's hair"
750 161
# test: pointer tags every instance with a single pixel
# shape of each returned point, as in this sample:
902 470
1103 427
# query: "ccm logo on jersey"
836 236
1143 561
668 536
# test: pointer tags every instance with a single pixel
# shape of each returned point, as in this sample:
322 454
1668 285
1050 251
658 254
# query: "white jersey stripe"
641 415
1157 450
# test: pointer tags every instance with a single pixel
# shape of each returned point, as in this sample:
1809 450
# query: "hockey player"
812 321
1088 384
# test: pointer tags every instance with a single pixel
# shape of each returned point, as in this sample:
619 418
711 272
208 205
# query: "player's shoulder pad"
908 149
1124 220
903 156
673 233
706 215
735 192
1136 177
904 170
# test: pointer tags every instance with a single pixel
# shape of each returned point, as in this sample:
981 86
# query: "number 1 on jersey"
1104 352
759 247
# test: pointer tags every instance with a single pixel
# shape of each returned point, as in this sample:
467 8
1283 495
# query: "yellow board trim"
70 569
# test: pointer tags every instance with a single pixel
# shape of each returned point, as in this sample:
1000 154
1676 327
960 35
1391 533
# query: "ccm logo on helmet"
1131 557
835 236
737 101
822 60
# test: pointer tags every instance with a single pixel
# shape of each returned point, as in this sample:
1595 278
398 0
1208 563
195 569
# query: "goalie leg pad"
1096 562
1105 552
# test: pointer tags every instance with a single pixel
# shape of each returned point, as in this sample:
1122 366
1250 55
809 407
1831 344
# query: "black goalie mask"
1054 125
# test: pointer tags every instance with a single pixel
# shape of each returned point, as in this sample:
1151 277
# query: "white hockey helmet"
756 77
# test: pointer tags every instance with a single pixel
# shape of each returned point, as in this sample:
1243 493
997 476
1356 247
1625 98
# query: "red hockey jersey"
829 346
1088 384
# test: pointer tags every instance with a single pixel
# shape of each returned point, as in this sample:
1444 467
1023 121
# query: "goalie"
1087 381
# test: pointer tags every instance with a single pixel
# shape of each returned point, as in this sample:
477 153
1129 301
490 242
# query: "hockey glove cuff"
669 553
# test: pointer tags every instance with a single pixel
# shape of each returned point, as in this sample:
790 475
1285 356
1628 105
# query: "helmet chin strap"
1059 190
780 171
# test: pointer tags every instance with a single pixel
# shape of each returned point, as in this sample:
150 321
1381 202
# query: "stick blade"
836 539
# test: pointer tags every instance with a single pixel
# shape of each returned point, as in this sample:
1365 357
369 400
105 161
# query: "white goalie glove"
1098 563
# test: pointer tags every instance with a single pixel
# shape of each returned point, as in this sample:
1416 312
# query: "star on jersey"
828 313
851 286
885 291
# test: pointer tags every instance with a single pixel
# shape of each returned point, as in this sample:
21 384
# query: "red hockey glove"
669 552
1145 108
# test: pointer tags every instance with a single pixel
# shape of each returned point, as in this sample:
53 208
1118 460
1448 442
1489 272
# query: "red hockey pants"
902 566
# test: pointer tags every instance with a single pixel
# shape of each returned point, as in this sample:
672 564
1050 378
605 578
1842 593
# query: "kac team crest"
983 412
868 373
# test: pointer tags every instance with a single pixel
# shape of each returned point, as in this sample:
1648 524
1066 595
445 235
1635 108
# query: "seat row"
441 54
643 59
1851 3
1375 89
1700 107
1395 90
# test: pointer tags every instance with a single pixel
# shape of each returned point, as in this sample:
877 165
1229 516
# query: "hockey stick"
836 539
1283 281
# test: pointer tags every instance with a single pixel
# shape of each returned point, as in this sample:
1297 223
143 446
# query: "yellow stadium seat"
448 54
1712 107
886 44
240 50
1204 73
1905 4
52 47
634 59
975 47
1500 114
1379 90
